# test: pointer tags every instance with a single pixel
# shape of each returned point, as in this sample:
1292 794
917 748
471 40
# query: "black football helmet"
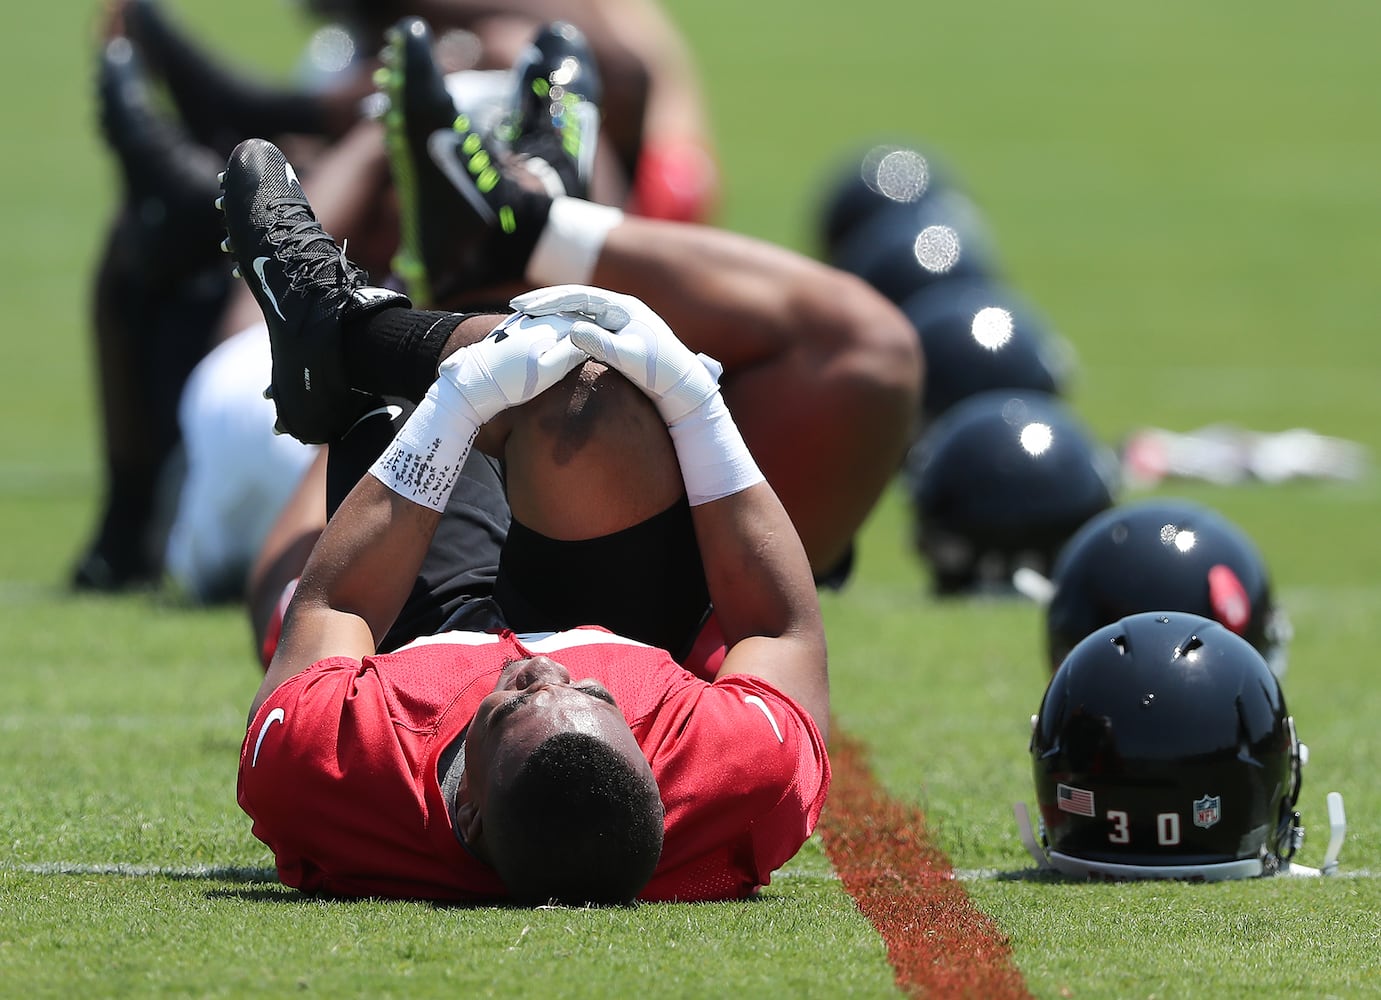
904 249
999 483
1163 555
886 176
1163 749
978 335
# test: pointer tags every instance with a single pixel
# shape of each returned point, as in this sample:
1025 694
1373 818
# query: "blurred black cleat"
464 222
170 180
556 110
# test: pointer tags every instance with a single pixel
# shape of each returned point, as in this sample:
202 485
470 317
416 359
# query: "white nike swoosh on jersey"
441 146
275 716
754 700
259 263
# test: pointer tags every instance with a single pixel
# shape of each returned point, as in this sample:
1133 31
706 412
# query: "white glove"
518 360
629 337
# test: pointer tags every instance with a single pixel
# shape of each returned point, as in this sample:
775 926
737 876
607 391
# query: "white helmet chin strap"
1337 830
1247 868
1028 836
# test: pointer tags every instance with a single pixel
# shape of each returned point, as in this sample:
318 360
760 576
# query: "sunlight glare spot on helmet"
1036 438
937 248
902 175
992 327
1181 540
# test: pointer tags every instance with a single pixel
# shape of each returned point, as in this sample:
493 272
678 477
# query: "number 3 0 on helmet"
1163 750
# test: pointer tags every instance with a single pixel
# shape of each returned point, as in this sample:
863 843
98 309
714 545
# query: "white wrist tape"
424 459
715 463
570 244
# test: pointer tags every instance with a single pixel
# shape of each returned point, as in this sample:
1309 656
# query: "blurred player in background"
160 292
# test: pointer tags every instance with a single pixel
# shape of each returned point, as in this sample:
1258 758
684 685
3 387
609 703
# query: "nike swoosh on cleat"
292 175
276 715
443 148
259 263
388 410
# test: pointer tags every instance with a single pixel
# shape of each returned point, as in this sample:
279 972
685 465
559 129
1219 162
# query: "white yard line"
226 873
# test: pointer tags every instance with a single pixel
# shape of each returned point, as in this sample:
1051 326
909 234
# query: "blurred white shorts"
239 474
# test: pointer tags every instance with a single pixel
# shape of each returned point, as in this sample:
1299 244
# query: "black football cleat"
464 222
304 284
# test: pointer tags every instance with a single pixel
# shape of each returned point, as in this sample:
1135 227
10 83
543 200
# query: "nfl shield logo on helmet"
1208 810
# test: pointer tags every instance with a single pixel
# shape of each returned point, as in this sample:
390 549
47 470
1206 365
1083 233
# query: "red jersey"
339 766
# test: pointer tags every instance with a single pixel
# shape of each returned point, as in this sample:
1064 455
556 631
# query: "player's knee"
589 457
594 407
877 350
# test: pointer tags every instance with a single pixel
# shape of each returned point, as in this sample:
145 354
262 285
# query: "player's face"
533 700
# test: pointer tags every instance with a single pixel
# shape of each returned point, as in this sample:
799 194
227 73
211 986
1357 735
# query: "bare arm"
355 581
284 552
764 596
285 549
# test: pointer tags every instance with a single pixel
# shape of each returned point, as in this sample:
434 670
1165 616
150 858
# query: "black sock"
395 351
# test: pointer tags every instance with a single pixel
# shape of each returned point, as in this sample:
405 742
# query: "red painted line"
938 942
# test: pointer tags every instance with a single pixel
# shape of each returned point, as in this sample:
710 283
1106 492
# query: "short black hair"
578 824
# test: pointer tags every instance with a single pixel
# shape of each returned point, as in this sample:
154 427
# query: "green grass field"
1187 190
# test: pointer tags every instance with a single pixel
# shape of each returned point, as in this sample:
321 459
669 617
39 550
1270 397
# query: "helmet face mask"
1163 749
959 567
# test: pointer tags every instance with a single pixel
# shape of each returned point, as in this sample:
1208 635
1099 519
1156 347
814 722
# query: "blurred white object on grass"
1226 454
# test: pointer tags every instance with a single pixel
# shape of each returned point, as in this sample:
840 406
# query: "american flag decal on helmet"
1074 800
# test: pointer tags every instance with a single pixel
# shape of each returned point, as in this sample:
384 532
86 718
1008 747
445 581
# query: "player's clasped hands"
622 332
